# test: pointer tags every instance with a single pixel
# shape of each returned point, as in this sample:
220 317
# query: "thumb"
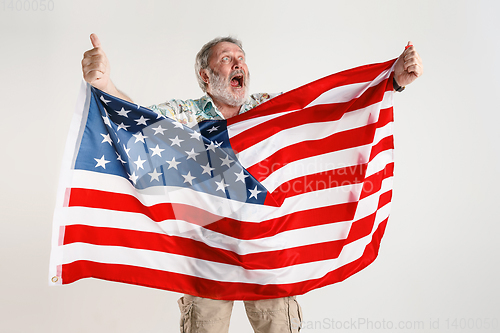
95 40
409 44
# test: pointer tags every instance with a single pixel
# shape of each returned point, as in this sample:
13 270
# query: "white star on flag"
221 186
133 177
122 126
207 169
195 135
156 151
119 158
254 192
192 154
106 120
188 178
155 175
106 138
123 112
141 121
139 163
127 150
176 141
173 163
104 100
211 146
240 177
139 137
159 129
101 162
213 129
226 161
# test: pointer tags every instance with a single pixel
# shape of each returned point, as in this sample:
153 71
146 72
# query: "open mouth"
237 81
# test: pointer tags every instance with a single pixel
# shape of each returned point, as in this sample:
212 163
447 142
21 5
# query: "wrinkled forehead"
225 47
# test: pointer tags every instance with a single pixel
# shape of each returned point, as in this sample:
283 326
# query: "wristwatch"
396 86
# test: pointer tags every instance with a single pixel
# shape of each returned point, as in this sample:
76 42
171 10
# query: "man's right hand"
96 70
95 66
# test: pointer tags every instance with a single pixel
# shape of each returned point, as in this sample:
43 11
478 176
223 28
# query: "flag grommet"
54 279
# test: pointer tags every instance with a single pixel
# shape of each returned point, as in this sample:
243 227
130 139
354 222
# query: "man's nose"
237 64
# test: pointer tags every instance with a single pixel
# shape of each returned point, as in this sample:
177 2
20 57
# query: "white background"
440 254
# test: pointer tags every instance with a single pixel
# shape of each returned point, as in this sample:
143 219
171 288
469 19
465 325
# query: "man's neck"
227 110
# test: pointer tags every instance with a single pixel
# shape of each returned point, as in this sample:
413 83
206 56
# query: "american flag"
291 196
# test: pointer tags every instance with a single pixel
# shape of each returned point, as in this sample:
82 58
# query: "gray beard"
220 89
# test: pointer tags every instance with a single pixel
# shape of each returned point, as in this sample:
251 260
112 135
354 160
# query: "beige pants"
204 315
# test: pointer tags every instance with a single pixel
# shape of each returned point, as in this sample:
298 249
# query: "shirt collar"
207 104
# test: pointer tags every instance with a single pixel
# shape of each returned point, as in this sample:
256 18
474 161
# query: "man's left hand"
408 66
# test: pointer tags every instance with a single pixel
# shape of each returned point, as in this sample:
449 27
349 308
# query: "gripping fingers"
92 75
412 62
94 66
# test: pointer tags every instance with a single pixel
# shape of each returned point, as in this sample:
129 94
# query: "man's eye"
225 59
241 59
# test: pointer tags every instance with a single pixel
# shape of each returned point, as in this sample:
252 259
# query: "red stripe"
297 220
304 95
195 249
230 227
315 114
319 181
213 289
385 116
233 228
373 183
335 142
383 145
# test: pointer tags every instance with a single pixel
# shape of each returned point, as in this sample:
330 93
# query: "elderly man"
223 75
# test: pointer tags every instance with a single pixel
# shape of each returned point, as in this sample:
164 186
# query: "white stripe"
369 205
242 126
336 95
344 158
348 92
338 159
212 204
178 228
216 271
379 162
350 157
312 131
383 132
69 156
284 240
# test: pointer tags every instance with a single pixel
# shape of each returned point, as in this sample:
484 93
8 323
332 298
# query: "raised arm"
96 69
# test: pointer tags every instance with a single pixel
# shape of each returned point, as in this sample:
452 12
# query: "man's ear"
204 75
